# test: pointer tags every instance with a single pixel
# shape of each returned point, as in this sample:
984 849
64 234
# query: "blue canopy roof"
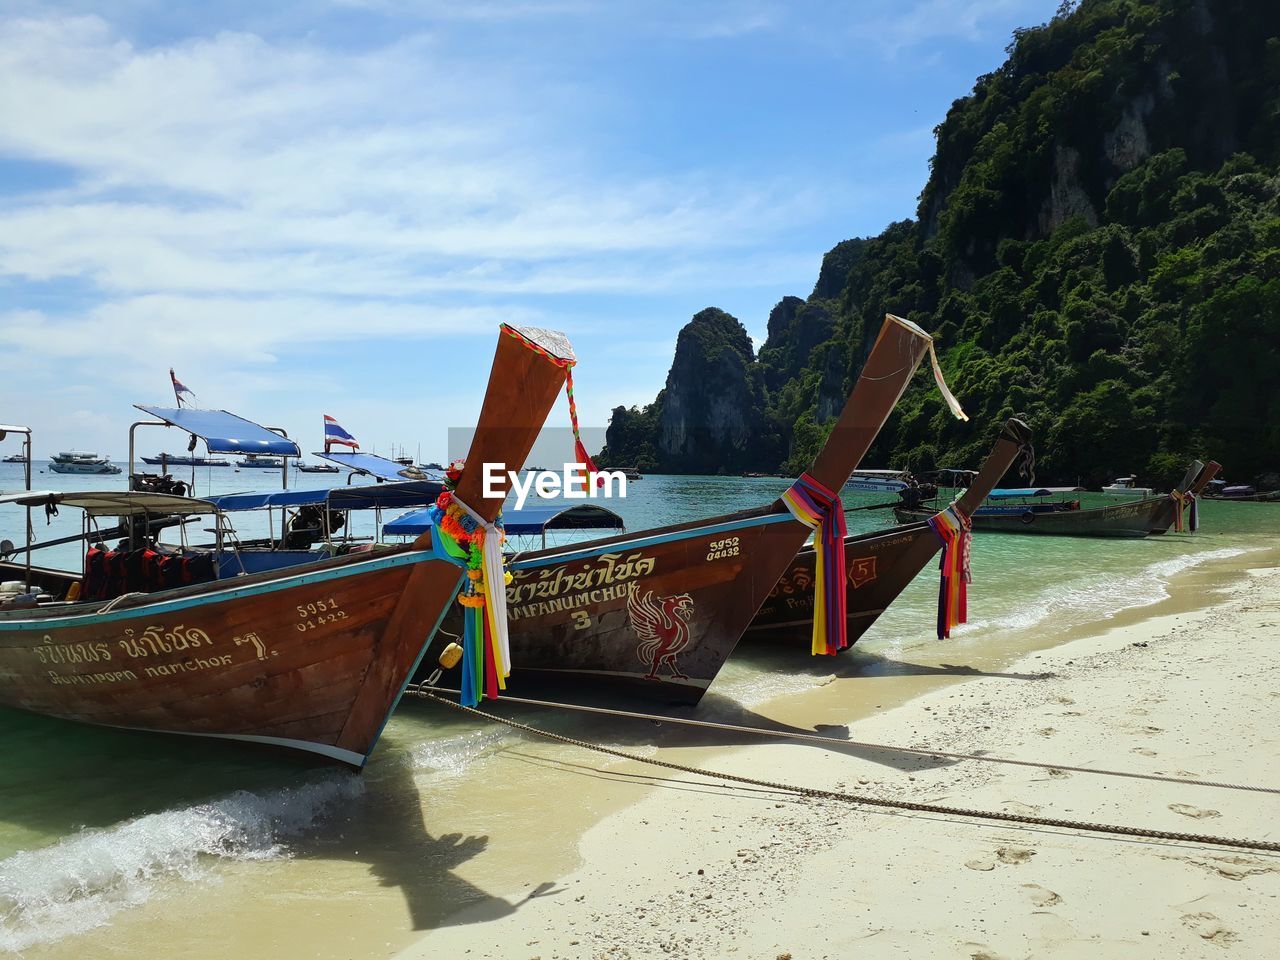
1010 493
224 432
372 465
414 493
531 520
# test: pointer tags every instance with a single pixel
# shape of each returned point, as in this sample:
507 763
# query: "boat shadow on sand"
721 712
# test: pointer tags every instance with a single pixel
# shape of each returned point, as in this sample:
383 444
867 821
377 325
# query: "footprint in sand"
1153 729
980 951
1041 896
1055 772
1137 712
1210 928
1196 812
1021 809
1065 701
1046 731
982 864
1014 855
1145 751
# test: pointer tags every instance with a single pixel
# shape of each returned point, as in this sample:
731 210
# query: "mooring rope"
912 805
413 690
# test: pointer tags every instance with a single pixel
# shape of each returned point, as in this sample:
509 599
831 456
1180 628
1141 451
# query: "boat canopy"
532 520
1012 492
372 465
414 493
113 503
224 432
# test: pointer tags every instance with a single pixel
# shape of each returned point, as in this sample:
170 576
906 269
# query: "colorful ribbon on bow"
486 649
954 529
821 510
1194 502
1179 504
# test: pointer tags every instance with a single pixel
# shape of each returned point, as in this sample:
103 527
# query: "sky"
328 207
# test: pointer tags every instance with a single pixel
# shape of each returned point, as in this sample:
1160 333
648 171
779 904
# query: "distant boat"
183 460
258 462
1126 487
880 481
77 461
316 468
16 458
1028 510
1219 490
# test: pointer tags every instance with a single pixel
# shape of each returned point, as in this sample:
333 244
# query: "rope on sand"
915 806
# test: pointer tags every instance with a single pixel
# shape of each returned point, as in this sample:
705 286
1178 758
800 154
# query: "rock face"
1096 250
796 328
712 403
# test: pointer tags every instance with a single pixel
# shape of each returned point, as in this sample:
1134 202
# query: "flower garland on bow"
955 531
486 652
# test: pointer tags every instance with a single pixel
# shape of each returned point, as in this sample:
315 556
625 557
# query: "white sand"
704 870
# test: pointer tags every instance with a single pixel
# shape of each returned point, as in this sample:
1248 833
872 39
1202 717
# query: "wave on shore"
82 881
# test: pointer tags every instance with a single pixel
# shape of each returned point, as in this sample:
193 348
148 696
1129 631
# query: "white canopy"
112 503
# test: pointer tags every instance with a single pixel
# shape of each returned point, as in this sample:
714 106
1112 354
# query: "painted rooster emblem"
662 623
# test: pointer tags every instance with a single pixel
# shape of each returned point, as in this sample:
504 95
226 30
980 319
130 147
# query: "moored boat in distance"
256 461
183 460
1126 487
15 458
78 461
313 658
878 481
1240 493
1029 510
316 468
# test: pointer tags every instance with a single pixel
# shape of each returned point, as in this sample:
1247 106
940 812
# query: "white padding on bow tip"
947 395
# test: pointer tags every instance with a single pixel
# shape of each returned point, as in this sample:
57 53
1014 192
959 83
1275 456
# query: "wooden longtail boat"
1025 515
313 658
657 612
880 563
1192 486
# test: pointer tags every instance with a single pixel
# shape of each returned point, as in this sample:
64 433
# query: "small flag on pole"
333 433
179 388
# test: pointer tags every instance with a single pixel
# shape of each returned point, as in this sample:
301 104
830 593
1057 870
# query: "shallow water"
108 838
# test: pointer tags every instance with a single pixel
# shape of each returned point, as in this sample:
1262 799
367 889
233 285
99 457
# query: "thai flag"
179 388
333 433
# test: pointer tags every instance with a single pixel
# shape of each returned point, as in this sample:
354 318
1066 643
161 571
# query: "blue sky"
312 208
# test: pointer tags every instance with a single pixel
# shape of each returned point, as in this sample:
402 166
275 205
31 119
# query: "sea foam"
82 881
1101 597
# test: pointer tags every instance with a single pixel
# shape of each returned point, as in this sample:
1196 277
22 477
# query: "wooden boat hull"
303 660
1131 520
313 657
879 565
590 612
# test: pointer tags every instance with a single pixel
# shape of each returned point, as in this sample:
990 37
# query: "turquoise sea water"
95 825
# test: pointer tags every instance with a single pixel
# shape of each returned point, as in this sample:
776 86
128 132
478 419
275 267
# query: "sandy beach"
699 868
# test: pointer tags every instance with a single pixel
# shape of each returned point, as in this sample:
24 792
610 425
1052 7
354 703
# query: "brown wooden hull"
660 611
1125 520
572 619
314 658
879 567
303 660
580 612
